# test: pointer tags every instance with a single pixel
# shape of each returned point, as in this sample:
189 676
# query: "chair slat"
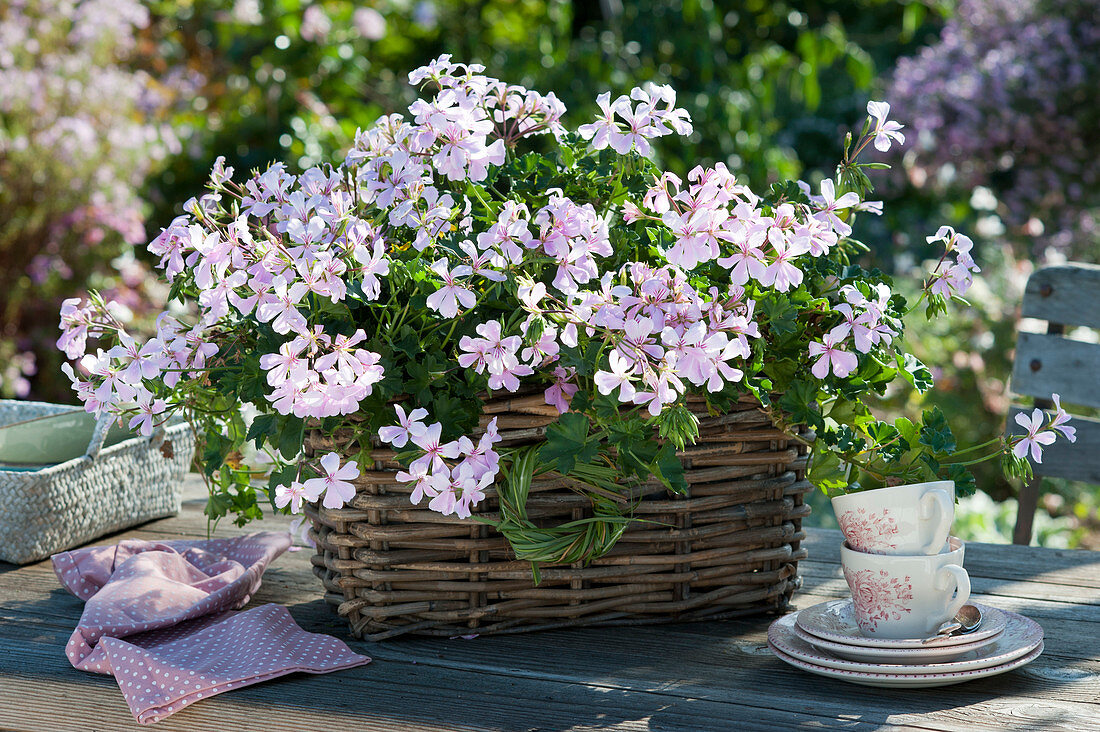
1067 294
1047 364
1078 460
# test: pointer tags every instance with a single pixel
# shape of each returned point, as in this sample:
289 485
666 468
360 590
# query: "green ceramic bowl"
57 438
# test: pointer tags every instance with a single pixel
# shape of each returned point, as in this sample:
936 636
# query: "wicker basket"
107 489
728 548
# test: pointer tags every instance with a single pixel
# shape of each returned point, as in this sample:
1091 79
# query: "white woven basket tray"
107 489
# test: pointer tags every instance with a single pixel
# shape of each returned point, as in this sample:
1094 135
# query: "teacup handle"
937 504
962 586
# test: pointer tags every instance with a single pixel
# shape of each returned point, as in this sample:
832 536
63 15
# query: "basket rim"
171 431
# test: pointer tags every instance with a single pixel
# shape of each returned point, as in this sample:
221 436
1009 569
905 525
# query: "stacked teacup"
903 567
902 626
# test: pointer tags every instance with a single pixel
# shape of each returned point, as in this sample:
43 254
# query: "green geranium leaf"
800 402
567 442
936 433
782 315
263 427
847 440
893 444
827 472
965 484
669 470
291 437
915 372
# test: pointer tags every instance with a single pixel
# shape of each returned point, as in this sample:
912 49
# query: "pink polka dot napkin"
158 617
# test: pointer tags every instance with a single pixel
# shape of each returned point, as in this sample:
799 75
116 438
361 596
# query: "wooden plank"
698 676
387 694
394 696
710 665
594 652
1078 460
1065 293
1048 364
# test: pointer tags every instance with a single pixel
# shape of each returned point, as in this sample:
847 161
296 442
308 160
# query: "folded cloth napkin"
158 617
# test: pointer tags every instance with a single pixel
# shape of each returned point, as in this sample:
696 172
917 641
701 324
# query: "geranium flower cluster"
440 263
956 279
662 332
625 126
1042 430
317 376
454 488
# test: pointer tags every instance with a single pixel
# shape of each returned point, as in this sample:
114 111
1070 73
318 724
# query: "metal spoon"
966 620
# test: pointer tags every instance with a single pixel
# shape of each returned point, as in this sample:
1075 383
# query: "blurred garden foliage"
80 129
770 86
1006 99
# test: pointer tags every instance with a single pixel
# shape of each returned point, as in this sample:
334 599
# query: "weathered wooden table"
700 676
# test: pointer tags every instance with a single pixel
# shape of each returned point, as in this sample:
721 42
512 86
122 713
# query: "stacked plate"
824 639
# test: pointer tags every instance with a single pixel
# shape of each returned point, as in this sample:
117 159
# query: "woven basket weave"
728 548
108 489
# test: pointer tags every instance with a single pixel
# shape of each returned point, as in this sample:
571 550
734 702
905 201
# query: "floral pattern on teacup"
878 595
869 532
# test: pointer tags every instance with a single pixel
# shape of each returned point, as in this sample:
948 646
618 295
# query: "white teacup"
906 596
903 519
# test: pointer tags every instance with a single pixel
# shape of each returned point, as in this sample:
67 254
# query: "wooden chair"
1065 296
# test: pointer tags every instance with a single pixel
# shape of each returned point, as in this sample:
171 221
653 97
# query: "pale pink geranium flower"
781 274
1060 418
562 390
421 479
481 459
830 205
141 362
446 299
434 450
148 408
113 389
1036 436
884 129
282 307
281 365
75 318
469 489
294 494
444 496
407 425
952 240
747 260
620 376
334 482
640 127
372 264
832 357
605 128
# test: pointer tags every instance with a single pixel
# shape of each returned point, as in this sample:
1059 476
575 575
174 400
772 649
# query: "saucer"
911 681
1021 636
919 655
835 621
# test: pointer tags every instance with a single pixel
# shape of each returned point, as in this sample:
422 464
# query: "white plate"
835 621
928 654
1021 637
911 681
